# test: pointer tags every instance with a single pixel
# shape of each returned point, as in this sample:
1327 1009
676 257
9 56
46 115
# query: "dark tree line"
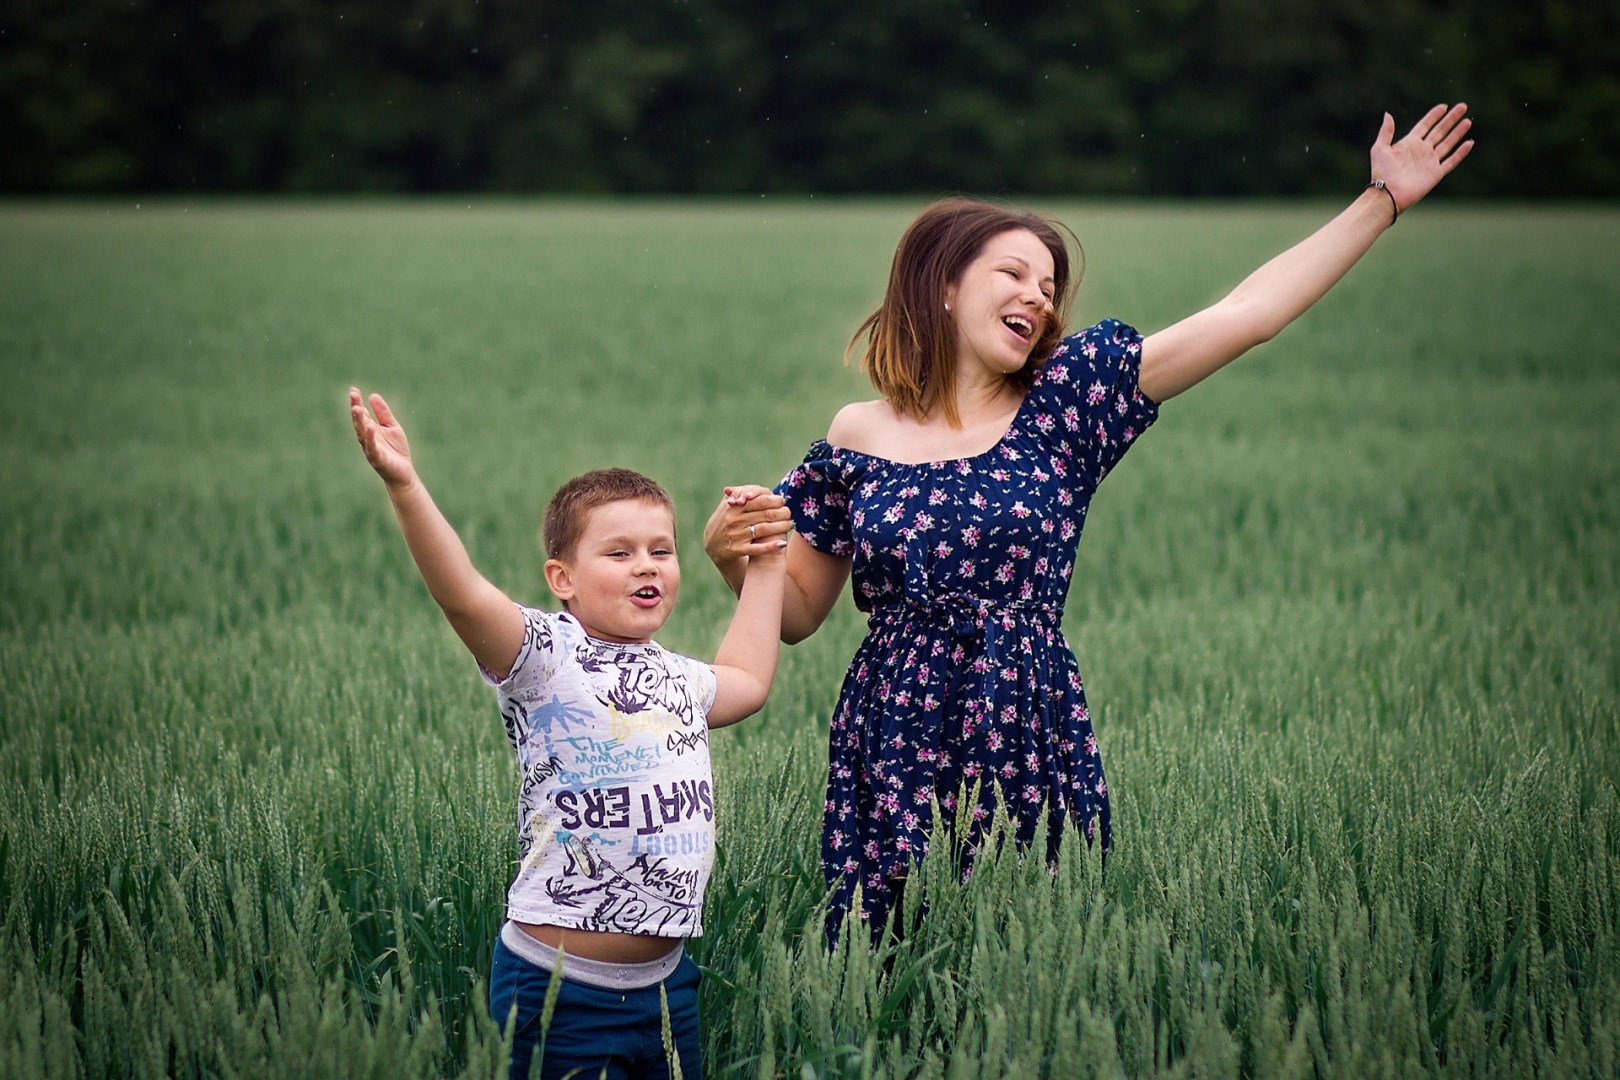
1185 97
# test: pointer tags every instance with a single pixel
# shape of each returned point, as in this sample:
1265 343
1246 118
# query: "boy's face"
621 579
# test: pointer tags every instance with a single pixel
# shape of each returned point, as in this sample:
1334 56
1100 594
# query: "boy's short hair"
564 520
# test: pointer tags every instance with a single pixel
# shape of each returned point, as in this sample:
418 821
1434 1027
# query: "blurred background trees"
1150 97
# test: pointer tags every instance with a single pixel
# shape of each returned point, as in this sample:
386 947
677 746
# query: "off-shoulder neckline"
1001 441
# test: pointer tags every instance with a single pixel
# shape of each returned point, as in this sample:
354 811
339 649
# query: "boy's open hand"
382 439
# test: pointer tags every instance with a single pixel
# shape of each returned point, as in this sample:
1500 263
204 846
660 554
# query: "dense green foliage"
1187 97
1346 615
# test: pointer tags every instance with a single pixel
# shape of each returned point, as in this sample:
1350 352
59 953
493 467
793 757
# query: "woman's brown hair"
910 347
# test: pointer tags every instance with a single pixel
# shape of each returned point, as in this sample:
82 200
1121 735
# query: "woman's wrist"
733 569
1395 207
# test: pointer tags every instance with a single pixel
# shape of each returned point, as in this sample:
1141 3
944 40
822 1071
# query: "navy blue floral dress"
963 567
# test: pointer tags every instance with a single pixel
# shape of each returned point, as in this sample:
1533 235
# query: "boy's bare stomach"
596 945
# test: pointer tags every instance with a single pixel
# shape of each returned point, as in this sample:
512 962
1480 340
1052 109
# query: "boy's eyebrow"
622 540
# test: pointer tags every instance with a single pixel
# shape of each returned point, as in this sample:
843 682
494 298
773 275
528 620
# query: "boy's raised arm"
486 620
746 662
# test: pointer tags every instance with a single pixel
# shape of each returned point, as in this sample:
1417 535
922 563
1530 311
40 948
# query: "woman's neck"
982 398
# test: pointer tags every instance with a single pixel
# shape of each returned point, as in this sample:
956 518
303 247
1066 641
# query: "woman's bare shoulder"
861 425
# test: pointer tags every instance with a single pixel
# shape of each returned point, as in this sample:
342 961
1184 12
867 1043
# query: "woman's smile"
1000 303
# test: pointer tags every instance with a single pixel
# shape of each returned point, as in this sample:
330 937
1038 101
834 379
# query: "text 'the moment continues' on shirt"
616 805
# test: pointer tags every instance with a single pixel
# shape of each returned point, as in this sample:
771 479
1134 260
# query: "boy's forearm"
439 554
735 572
751 643
485 620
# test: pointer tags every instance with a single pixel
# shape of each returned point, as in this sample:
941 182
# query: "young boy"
616 806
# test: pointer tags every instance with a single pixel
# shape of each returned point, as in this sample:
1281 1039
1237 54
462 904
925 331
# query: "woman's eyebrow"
1021 261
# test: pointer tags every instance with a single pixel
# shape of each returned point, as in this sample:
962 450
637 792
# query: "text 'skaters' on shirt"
616 803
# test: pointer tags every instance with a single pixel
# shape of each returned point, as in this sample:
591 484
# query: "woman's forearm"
1183 355
1279 292
799 621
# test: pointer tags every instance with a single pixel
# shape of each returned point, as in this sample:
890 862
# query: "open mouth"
648 594
1024 328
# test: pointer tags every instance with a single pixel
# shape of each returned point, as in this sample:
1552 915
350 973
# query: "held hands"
1410 168
382 439
750 520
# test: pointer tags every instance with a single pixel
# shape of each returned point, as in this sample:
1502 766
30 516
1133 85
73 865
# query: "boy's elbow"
739 706
759 693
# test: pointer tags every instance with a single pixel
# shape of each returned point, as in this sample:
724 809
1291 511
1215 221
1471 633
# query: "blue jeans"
595 1029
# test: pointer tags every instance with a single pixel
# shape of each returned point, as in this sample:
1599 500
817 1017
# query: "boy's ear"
559 579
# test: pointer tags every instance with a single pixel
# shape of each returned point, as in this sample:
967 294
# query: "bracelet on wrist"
1393 205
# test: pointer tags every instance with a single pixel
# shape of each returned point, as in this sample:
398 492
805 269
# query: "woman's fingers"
765 526
753 528
765 538
1386 132
1444 134
754 532
1456 158
1453 137
1423 127
1448 123
1441 128
765 521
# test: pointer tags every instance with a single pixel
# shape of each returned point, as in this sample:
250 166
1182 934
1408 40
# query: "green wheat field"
1349 618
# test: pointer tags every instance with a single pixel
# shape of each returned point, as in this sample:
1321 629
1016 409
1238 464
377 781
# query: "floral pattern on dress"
964 681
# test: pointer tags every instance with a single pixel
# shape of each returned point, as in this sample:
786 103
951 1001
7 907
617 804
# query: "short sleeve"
817 491
1088 388
703 680
535 663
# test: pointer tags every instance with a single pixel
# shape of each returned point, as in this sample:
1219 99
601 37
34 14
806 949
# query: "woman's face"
1001 302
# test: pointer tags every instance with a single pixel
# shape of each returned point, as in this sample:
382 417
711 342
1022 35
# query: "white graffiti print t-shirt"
616 806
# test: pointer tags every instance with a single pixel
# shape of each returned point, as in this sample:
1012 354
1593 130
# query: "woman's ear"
559 579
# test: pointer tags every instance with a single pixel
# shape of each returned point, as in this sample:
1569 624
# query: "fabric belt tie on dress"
970 618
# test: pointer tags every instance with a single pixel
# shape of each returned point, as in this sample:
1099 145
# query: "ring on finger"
750 532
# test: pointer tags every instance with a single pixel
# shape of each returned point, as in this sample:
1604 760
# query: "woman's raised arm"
1186 353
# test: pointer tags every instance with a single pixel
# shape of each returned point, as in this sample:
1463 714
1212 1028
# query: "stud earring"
947 307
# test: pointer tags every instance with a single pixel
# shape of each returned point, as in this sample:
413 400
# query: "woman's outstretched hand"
1410 168
382 439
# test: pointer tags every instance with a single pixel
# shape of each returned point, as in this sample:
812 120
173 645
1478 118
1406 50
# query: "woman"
957 499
